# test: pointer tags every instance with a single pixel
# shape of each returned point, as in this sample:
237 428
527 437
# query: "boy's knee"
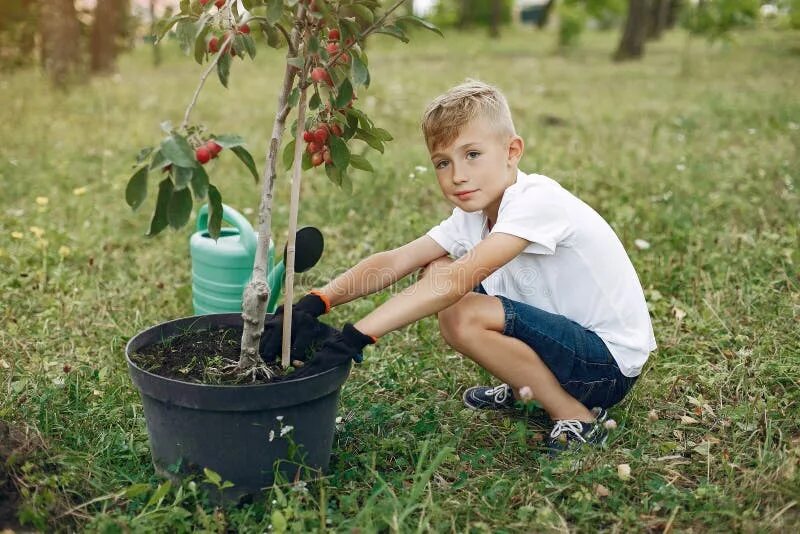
456 322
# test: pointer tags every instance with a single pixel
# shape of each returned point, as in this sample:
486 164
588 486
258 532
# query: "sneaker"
485 398
567 433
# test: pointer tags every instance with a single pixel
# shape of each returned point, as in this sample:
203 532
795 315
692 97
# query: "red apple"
202 154
213 147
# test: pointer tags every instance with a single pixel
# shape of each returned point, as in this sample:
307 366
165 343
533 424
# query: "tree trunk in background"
463 14
61 54
672 13
494 25
408 7
631 45
548 8
108 29
657 20
156 49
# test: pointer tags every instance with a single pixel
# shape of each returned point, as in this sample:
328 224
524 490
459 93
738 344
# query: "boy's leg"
474 327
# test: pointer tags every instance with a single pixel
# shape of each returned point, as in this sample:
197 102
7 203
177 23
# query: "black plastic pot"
235 430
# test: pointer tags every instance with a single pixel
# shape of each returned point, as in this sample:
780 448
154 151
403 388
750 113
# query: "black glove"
336 349
306 329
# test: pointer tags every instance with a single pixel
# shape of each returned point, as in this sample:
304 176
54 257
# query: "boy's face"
477 167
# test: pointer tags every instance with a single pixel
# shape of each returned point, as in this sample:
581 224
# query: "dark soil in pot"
245 432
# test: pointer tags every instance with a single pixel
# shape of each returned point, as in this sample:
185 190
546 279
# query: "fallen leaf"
4 364
686 420
678 313
601 491
652 415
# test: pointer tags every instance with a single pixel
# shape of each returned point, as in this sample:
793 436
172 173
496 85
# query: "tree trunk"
156 49
657 19
672 13
494 25
548 9
256 293
631 45
108 29
463 14
60 30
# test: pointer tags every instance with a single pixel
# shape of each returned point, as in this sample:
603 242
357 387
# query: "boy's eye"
439 165
473 152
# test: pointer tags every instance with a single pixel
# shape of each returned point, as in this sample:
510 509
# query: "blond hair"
450 112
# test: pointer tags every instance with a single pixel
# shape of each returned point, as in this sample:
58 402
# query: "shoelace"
500 393
568 425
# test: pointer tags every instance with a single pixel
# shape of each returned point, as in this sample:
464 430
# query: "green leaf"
294 97
239 46
296 62
274 10
212 476
136 490
274 37
186 35
305 163
339 152
333 174
411 20
394 31
165 24
288 154
200 45
382 134
177 150
345 94
247 159
143 153
346 183
250 45
159 494
358 70
228 140
279 523
224 68
183 175
358 161
362 13
214 212
179 208
158 160
159 220
370 139
315 101
200 182
136 191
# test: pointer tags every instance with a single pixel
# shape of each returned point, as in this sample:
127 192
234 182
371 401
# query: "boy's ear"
516 146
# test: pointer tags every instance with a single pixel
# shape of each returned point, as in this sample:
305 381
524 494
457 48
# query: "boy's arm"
432 294
381 270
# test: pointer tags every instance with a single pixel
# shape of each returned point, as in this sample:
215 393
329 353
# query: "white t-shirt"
575 265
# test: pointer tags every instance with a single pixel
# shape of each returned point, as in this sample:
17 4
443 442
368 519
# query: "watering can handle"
246 234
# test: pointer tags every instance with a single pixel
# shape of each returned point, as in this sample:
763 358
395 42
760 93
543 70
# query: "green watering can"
221 269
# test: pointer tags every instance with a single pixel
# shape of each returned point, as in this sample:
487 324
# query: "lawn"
695 164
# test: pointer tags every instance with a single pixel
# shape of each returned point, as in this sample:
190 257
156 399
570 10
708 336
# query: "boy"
541 293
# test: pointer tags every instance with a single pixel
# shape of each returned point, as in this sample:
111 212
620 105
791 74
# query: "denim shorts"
577 356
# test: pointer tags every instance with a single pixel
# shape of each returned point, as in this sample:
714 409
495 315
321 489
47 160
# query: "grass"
700 160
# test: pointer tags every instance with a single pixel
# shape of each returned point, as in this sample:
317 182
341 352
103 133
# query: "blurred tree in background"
466 14
64 40
109 31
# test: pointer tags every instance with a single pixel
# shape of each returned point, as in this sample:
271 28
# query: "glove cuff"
357 338
314 304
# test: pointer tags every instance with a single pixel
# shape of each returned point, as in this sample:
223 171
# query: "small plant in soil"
326 64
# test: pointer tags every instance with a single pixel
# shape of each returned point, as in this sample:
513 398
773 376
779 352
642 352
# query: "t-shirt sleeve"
535 217
447 234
